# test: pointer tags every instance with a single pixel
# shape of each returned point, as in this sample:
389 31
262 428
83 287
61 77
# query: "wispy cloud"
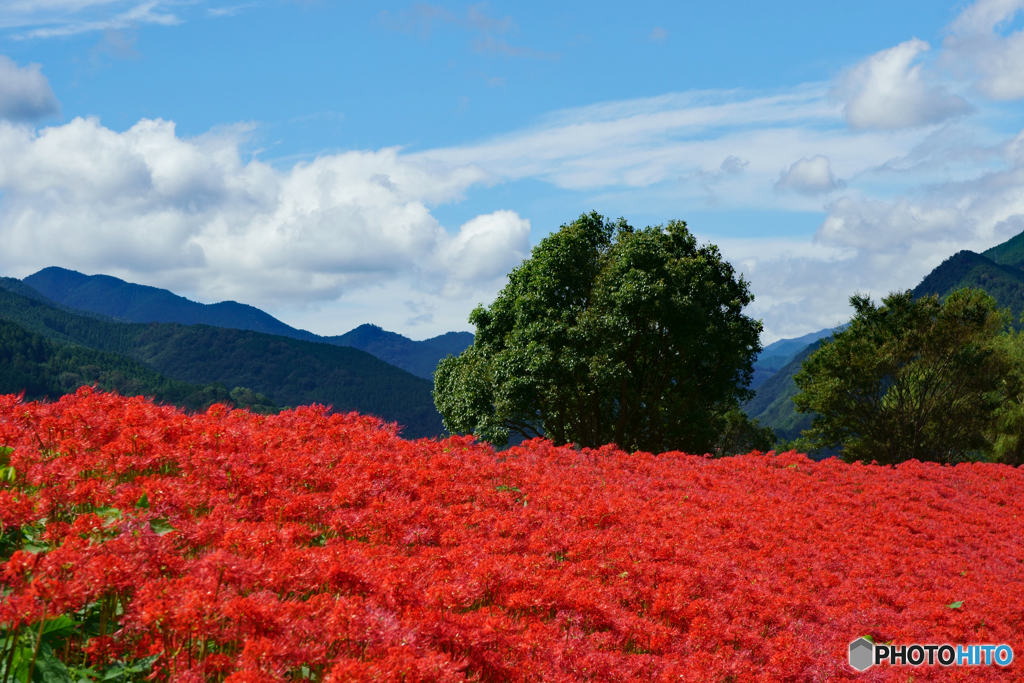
228 11
657 35
59 19
423 18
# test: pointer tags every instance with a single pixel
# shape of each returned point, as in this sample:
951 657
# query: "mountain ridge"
118 299
287 371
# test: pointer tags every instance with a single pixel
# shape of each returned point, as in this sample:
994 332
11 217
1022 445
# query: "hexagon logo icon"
862 654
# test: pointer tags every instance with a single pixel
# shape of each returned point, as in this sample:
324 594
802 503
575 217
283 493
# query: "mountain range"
85 330
128 302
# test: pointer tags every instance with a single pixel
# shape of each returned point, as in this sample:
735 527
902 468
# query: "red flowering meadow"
141 542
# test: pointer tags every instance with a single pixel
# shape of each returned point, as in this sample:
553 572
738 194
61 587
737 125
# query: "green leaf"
143 503
110 515
124 672
49 669
19 664
955 605
160 526
61 627
869 638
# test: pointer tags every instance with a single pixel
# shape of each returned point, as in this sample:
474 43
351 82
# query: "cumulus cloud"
25 93
809 176
192 215
887 90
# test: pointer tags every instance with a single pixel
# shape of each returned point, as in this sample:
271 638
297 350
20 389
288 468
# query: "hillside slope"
288 371
777 354
43 369
1004 282
1009 253
142 304
114 298
419 358
773 404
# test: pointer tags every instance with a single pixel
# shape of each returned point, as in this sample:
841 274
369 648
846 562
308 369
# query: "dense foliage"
138 541
607 334
911 379
286 371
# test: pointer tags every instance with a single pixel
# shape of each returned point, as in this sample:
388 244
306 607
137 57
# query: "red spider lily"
236 547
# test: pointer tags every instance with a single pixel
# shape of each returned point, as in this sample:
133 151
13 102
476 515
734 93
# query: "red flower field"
139 542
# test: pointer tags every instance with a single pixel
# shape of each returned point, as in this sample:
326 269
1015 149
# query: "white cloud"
876 246
809 176
25 93
888 91
191 215
985 15
642 142
977 50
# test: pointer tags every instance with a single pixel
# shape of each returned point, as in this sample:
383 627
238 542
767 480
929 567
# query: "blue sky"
388 162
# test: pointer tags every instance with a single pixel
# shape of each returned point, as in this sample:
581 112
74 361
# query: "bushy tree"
912 379
739 434
607 334
1007 438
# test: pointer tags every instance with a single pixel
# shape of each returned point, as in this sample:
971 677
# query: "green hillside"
288 371
44 369
1009 253
418 357
773 406
111 298
130 302
1003 281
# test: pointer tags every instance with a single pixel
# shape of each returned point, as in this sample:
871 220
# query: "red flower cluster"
317 546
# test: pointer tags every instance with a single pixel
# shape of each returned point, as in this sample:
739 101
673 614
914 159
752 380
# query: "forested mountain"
777 354
141 304
1009 253
45 369
773 405
288 371
1003 280
419 358
114 298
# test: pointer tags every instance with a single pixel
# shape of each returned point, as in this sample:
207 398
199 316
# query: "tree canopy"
607 334
912 379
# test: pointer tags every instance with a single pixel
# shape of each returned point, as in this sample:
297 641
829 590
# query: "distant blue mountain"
778 354
129 302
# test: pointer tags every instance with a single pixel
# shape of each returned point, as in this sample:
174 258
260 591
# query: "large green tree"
607 334
911 379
